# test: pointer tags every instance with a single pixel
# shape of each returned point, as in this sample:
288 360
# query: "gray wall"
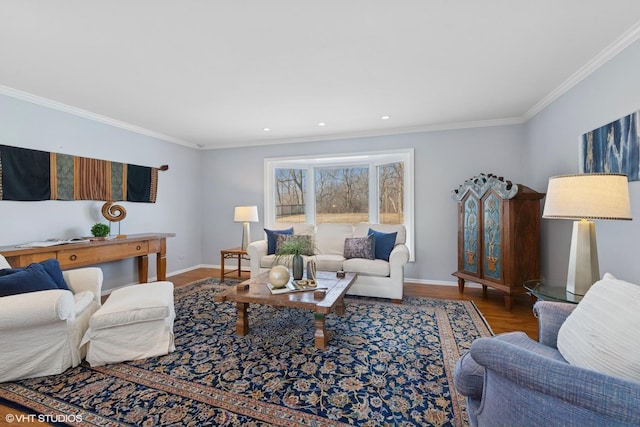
443 160
24 124
552 138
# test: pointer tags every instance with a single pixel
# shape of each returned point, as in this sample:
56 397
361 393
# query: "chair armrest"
85 279
551 315
36 308
533 375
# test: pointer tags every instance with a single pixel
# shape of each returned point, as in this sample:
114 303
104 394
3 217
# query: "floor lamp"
245 215
584 197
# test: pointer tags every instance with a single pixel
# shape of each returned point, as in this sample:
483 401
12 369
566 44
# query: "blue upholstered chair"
512 380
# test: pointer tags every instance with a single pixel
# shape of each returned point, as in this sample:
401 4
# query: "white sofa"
41 331
376 277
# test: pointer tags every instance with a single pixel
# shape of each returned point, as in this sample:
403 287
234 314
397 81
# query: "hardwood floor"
491 305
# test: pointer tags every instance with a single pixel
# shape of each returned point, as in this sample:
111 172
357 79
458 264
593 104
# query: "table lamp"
584 197
245 215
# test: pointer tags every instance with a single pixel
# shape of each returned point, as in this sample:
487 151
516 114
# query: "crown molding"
45 102
620 44
373 133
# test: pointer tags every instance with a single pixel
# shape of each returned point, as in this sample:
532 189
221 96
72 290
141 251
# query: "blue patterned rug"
386 364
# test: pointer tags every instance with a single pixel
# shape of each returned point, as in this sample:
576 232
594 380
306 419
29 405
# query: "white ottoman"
135 322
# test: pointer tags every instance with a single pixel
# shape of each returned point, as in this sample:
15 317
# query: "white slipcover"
135 322
40 332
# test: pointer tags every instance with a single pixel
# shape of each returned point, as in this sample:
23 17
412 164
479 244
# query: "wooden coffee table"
258 293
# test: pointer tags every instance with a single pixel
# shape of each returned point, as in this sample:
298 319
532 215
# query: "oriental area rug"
386 364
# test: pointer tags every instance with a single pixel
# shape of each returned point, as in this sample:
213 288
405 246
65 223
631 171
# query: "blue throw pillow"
272 238
51 267
384 243
30 279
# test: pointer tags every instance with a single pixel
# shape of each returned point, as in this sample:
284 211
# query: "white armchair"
41 331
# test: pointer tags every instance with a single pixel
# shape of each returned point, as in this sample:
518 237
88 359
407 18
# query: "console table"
73 255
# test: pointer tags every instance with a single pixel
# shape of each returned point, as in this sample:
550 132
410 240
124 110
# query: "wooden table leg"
221 267
340 307
161 266
242 323
239 265
143 268
320 335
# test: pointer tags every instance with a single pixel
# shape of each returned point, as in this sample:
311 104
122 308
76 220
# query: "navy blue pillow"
384 243
32 278
271 238
51 267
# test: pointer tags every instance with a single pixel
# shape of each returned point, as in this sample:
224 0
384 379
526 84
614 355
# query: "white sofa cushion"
330 238
323 262
302 228
328 262
134 304
367 267
602 333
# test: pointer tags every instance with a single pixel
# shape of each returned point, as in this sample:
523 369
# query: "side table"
546 290
235 253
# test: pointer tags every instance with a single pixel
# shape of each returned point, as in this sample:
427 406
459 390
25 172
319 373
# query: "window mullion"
310 200
374 197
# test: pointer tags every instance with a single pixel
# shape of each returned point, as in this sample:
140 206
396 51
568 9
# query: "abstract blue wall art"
613 148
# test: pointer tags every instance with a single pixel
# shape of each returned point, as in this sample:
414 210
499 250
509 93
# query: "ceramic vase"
298 267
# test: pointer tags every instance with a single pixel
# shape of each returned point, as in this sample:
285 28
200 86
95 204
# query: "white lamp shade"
245 214
588 196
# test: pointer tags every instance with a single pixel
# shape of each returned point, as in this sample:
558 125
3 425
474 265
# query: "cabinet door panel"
492 236
471 235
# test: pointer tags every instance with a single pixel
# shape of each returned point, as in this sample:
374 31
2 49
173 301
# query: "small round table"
550 290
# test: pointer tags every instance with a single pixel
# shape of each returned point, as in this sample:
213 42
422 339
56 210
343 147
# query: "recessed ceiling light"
322 124
266 129
385 117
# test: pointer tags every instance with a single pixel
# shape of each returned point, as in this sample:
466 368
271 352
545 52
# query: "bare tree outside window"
290 195
391 192
342 195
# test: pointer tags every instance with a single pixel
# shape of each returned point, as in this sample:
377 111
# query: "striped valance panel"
29 175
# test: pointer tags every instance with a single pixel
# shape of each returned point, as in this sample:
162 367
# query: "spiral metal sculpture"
113 212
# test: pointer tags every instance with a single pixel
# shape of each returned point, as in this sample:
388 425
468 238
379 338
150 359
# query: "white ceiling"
214 73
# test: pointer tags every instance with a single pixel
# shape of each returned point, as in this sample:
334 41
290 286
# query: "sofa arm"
551 315
398 258
399 255
85 279
520 384
36 308
256 250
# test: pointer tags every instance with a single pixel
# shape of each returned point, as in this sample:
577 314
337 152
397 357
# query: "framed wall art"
613 148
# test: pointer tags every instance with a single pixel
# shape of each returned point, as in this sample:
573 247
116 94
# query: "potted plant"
100 230
290 251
